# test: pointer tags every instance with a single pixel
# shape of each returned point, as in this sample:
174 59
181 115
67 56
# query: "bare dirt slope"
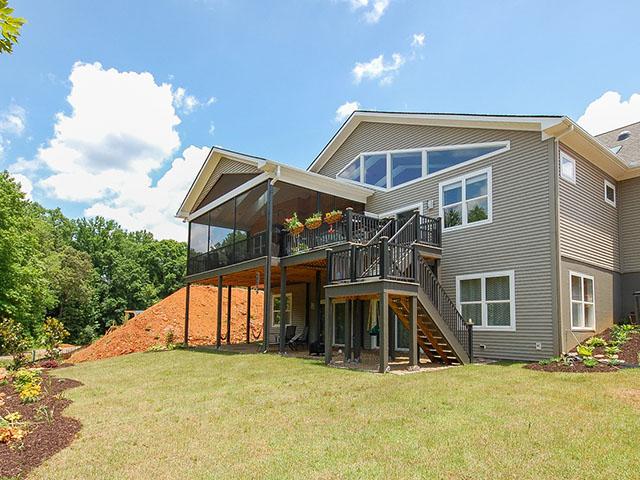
151 327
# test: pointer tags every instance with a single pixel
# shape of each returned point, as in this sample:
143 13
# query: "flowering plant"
293 224
313 221
333 216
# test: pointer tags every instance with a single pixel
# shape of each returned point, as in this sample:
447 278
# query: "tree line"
85 271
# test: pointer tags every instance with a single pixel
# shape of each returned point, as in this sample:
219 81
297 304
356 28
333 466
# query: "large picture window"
395 168
488 299
466 200
583 311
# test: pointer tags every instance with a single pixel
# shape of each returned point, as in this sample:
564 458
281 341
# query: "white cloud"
25 184
373 10
346 109
609 112
418 40
13 120
188 103
212 128
377 68
121 129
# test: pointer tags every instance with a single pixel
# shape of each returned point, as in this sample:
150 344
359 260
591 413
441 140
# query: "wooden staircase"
430 338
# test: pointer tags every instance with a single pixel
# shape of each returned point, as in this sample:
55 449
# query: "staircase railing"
446 308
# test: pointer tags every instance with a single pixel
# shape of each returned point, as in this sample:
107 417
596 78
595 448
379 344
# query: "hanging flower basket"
314 221
333 217
293 225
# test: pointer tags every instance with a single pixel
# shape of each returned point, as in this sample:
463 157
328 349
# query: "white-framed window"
488 299
583 301
567 167
466 200
610 193
276 310
391 169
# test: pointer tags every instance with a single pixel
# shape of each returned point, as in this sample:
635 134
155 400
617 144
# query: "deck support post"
384 332
248 314
318 309
357 330
219 314
393 324
186 315
266 301
283 310
348 331
414 352
328 330
229 315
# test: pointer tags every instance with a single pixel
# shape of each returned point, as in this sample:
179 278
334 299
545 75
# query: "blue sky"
267 77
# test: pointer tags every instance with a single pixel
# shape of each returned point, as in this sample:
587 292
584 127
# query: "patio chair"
299 339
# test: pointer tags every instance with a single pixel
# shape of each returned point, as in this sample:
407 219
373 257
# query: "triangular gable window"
351 171
440 159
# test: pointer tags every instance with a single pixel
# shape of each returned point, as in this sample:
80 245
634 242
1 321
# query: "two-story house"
527 226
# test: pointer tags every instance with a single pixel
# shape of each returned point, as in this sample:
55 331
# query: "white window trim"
289 309
483 298
613 203
565 156
463 179
506 146
582 277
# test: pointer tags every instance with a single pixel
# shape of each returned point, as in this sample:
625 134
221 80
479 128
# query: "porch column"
248 314
357 330
348 335
266 301
186 315
219 314
318 309
229 315
414 352
392 335
384 332
283 309
328 330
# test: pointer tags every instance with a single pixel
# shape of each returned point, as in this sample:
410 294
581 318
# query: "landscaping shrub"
584 350
590 362
596 342
53 334
27 384
14 341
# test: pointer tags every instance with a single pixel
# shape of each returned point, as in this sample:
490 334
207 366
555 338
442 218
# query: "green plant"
596 342
156 348
590 362
53 334
43 413
169 338
13 340
313 221
293 224
584 350
25 376
614 362
452 218
477 214
30 393
611 350
9 27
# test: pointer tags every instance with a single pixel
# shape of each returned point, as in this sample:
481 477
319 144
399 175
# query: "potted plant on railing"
332 217
313 221
293 225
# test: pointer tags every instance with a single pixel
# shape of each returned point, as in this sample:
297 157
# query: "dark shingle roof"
629 150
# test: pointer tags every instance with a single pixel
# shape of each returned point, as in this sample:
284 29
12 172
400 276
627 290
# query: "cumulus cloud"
187 103
13 120
418 40
346 109
377 68
120 131
609 112
372 10
25 184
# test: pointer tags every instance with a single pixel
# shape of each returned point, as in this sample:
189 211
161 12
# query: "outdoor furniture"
289 333
316 348
298 339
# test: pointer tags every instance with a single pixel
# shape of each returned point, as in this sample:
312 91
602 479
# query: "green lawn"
188 414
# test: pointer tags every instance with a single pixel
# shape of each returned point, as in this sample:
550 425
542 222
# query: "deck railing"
229 254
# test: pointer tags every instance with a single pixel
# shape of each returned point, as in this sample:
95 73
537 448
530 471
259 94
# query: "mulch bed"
45 437
628 353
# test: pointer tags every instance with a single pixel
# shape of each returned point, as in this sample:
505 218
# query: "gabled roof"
560 127
269 169
627 147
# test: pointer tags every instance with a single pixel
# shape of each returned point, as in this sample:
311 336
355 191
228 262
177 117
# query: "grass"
197 415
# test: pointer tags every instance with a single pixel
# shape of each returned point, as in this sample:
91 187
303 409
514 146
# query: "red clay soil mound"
150 327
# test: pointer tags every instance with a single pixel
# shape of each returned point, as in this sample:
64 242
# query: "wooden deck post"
186 315
266 301
414 352
229 315
248 314
393 323
219 313
283 309
328 330
384 332
348 323
357 330
318 309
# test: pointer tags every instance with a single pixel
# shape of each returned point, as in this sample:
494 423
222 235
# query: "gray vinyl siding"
607 294
629 208
630 285
298 308
519 238
589 230
225 165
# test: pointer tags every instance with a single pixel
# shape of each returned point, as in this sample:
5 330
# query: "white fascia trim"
505 144
483 298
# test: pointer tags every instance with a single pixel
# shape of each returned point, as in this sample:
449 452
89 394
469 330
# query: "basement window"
488 299
583 311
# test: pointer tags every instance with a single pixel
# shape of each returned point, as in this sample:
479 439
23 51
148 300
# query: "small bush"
53 334
27 384
30 393
612 350
14 341
590 362
169 338
584 350
596 342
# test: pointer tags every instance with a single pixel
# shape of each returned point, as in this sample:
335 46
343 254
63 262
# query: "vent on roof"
624 135
616 149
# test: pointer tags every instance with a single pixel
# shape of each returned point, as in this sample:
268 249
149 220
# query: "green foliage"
596 342
612 350
9 27
584 350
452 218
13 341
477 214
53 334
169 338
590 362
27 384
